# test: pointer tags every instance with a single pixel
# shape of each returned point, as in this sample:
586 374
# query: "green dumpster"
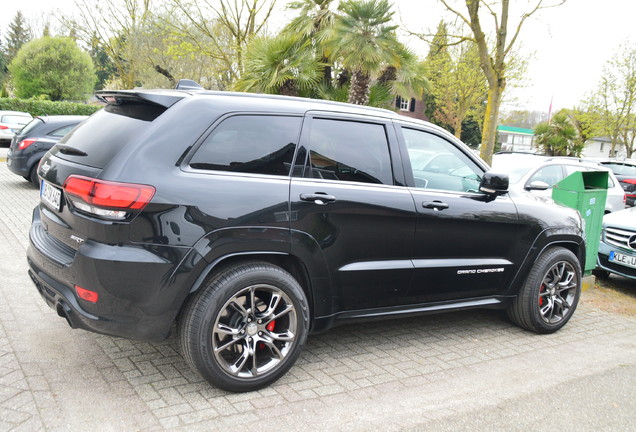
585 191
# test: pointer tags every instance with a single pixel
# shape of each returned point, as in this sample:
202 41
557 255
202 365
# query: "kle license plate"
51 195
626 260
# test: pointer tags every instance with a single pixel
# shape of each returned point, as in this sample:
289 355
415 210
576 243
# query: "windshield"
515 166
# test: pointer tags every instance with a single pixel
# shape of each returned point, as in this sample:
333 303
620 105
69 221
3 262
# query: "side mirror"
494 184
537 185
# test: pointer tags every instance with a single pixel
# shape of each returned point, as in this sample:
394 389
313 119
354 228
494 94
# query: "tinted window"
349 151
250 144
438 164
32 125
62 131
108 131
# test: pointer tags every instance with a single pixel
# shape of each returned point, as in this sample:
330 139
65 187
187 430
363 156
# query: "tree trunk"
458 128
491 118
359 90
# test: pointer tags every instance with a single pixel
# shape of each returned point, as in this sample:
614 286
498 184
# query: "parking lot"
462 371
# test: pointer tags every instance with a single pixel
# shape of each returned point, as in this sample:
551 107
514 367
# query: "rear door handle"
435 205
318 198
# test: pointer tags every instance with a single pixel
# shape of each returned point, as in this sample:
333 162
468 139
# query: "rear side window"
62 131
108 131
257 144
349 151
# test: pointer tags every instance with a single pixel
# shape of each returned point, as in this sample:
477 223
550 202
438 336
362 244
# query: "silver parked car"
537 174
10 123
617 249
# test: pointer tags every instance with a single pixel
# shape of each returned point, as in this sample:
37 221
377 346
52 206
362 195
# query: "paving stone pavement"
409 374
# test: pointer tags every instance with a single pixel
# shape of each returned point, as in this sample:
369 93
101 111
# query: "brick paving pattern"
50 373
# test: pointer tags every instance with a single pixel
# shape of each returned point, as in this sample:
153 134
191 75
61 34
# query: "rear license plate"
619 258
51 195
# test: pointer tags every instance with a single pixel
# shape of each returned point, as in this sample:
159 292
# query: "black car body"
34 140
252 220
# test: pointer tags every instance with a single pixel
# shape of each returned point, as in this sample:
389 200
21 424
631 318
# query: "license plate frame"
622 259
51 195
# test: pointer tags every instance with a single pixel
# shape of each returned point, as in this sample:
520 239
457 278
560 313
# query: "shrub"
42 107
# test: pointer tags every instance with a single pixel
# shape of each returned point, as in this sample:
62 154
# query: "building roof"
517 130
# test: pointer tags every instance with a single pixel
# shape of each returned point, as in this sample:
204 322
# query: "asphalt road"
461 371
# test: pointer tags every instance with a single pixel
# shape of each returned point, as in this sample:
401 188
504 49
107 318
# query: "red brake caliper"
270 327
541 291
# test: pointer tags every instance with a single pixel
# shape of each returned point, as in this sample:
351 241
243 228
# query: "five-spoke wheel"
246 327
550 293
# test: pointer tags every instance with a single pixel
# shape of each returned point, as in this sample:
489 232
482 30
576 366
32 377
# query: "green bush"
42 107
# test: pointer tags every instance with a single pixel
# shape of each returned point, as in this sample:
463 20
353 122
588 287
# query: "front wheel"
550 293
246 327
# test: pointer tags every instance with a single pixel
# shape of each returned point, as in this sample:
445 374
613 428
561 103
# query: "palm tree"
312 24
364 42
279 65
558 137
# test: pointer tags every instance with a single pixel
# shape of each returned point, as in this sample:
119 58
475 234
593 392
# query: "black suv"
252 220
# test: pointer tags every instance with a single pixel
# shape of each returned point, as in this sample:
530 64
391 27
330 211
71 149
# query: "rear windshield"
32 125
106 132
15 119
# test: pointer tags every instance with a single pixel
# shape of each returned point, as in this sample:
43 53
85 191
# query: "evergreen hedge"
43 107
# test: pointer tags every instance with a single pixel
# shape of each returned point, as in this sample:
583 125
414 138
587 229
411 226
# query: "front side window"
438 164
349 151
257 144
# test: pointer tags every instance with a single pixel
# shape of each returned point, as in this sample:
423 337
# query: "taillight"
25 143
112 200
88 295
4 127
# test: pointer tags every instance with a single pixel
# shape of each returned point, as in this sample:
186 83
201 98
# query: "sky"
567 46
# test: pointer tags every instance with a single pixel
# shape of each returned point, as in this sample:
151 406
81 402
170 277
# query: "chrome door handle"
318 198
435 205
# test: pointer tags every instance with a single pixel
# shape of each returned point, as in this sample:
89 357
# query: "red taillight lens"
25 143
97 195
84 294
4 127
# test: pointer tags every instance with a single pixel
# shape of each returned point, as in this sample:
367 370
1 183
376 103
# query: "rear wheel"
33 175
550 294
246 327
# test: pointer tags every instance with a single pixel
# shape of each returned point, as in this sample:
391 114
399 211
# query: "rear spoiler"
164 98
117 97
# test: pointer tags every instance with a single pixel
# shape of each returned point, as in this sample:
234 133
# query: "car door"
347 204
465 241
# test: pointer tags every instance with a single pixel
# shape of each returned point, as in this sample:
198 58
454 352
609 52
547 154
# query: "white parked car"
12 122
538 174
617 249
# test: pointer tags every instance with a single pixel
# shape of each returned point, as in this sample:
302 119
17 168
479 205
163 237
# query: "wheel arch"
546 240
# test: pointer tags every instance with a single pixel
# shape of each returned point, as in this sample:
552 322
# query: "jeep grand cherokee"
252 220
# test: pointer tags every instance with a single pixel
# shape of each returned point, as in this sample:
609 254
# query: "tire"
33 175
246 327
550 294
600 273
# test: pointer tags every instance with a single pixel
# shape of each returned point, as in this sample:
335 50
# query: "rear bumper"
18 164
139 294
